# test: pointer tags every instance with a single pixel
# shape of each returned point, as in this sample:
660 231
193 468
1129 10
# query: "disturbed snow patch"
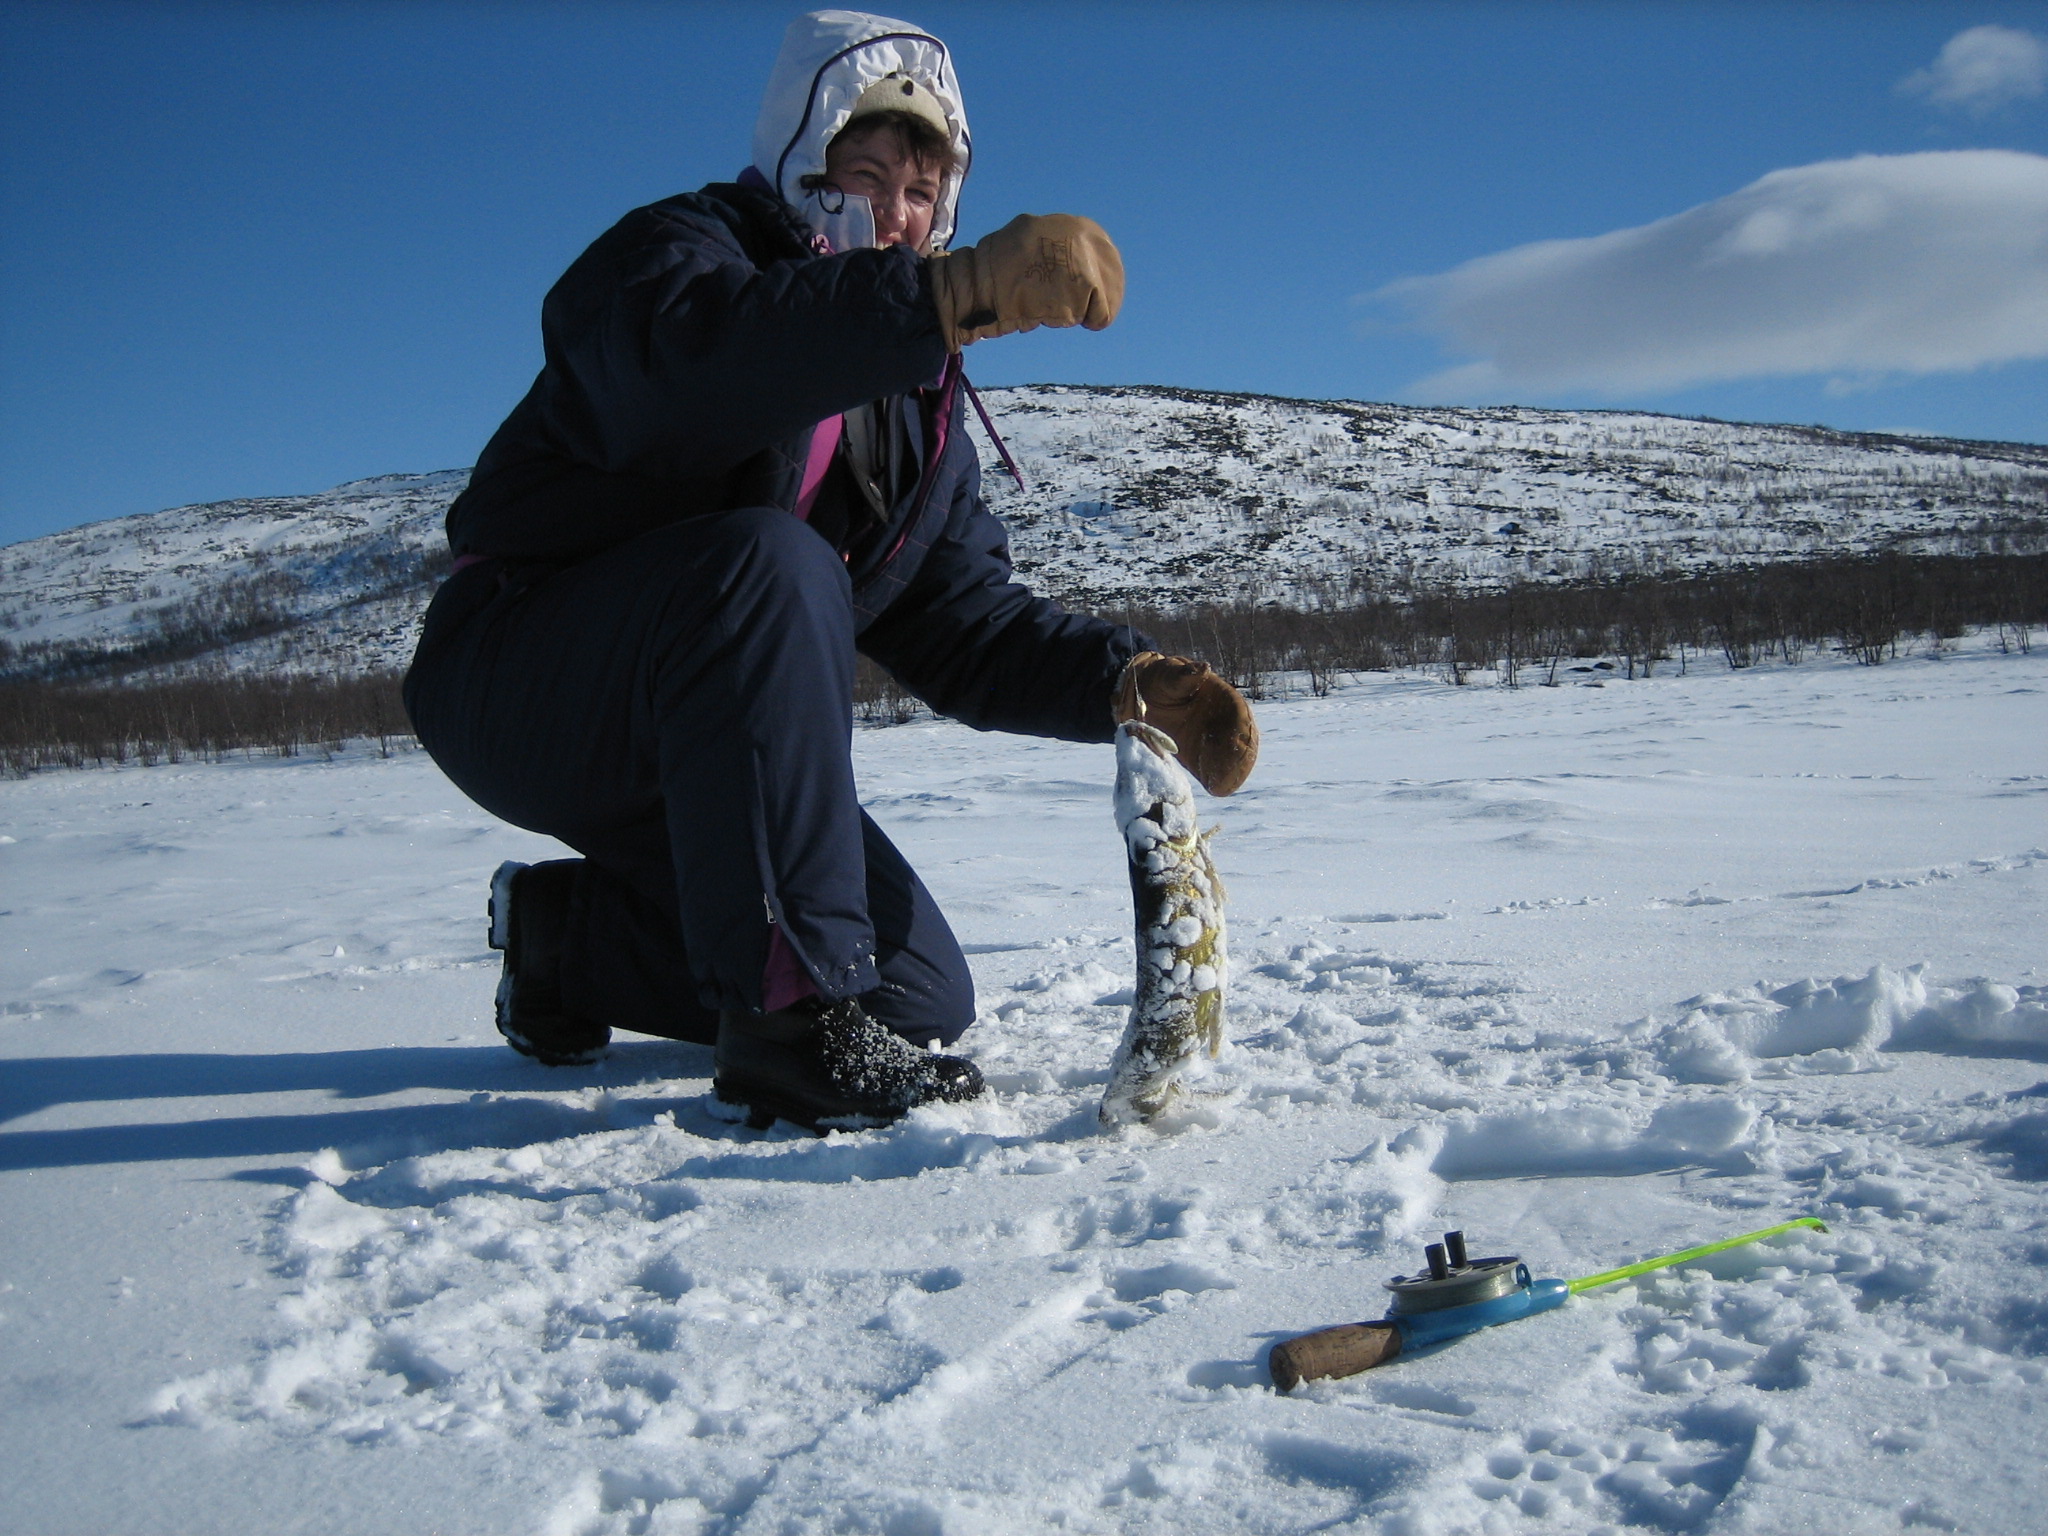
1842 1025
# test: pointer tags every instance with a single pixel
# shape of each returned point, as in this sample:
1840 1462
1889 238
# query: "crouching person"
744 462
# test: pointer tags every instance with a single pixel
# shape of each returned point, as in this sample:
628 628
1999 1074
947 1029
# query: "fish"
1177 1002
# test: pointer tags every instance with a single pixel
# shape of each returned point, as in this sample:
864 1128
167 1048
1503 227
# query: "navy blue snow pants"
679 710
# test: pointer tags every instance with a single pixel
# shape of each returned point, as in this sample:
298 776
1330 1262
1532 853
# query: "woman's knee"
766 547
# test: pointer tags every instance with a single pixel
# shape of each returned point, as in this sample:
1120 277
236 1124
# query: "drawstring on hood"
829 60
842 220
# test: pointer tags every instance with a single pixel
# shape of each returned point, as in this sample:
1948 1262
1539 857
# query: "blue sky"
256 249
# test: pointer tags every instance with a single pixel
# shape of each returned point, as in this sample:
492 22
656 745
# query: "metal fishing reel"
1455 1280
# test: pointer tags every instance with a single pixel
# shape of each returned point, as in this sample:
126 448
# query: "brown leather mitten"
1038 269
1207 718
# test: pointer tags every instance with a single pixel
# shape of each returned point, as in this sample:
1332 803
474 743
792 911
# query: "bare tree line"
1871 608
1868 607
46 725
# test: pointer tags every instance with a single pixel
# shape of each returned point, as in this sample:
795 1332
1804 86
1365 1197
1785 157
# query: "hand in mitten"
1038 269
1207 718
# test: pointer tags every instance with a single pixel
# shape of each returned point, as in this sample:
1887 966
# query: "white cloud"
1983 68
1881 264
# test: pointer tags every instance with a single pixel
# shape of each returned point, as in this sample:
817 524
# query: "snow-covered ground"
288 1242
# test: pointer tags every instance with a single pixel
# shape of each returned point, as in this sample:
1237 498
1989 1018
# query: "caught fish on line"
1176 1017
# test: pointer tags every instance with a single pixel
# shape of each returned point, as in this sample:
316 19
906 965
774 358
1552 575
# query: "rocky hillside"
1134 496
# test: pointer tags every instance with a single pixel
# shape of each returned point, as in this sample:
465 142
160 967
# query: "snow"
1593 973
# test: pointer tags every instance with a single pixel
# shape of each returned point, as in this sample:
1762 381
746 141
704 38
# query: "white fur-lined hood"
828 58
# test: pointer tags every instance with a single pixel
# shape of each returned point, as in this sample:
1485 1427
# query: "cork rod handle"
1328 1352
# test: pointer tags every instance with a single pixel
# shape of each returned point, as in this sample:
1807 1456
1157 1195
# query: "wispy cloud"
1880 264
1983 69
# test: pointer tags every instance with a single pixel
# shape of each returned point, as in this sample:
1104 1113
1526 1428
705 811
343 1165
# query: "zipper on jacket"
942 429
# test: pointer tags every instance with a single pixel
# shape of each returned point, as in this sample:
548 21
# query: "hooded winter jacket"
693 349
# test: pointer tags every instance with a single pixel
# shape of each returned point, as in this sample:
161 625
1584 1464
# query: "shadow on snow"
30 1085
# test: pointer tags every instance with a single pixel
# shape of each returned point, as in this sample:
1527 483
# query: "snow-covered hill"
1139 495
1136 495
335 581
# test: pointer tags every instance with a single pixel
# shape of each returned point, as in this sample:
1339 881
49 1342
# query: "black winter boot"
829 1066
529 914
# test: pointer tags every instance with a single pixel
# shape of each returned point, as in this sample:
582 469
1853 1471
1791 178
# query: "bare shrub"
879 699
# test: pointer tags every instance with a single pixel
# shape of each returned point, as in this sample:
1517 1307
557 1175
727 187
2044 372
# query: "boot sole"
549 1058
500 906
765 1106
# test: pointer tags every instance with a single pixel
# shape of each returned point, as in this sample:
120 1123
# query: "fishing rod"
1457 1294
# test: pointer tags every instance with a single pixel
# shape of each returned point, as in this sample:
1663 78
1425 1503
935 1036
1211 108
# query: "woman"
743 461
